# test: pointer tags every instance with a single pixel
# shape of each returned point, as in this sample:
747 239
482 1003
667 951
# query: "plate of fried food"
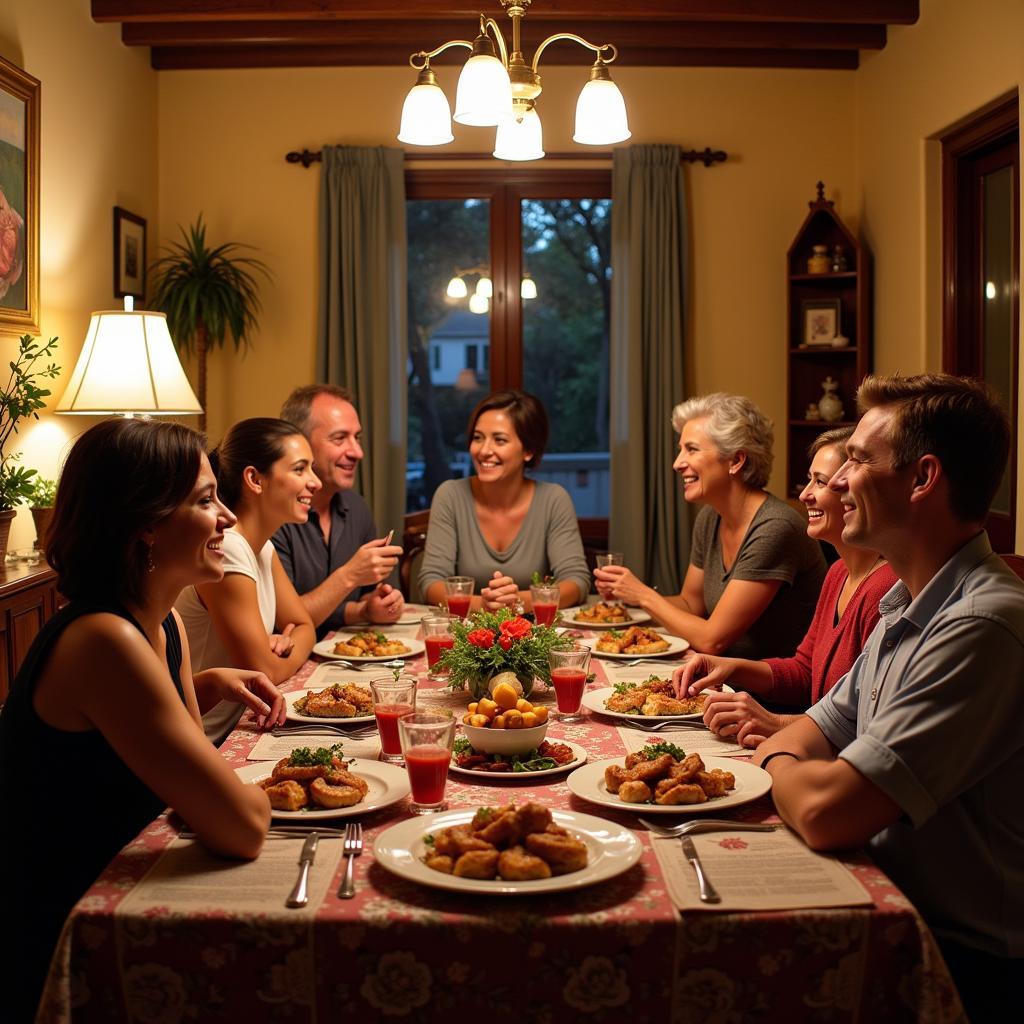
337 704
636 642
312 784
507 850
368 645
663 779
652 699
548 758
604 615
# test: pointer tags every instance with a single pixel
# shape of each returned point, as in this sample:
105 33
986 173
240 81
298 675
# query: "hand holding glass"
569 676
427 745
393 698
605 559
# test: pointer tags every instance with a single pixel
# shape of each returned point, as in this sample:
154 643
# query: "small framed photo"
129 254
820 320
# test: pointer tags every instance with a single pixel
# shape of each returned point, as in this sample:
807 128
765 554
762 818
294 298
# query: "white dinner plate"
676 645
751 782
637 616
297 716
412 613
611 849
325 648
388 784
580 757
593 700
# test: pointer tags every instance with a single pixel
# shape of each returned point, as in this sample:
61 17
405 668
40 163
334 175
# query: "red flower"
482 638
505 641
516 628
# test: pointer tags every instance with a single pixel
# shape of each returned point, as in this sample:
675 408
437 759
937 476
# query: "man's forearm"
321 601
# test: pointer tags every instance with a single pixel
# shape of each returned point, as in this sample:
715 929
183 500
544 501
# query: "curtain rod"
706 156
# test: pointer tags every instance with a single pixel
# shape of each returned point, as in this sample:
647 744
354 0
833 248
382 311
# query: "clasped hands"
501 592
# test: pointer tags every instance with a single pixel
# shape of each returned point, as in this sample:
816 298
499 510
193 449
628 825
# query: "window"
533 253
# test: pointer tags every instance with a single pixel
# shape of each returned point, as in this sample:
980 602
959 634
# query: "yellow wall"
98 150
958 58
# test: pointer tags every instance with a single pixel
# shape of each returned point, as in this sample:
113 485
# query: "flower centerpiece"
493 644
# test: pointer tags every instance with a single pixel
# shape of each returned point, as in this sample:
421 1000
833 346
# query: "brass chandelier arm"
599 49
485 24
421 59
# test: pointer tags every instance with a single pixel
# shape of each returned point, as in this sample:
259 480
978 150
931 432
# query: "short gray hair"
298 406
734 424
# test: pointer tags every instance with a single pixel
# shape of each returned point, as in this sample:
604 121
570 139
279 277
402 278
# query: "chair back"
1016 563
414 541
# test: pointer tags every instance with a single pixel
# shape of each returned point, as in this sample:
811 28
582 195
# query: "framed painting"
821 321
19 201
129 254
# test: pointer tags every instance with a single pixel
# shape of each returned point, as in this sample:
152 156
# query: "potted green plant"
206 293
40 501
21 397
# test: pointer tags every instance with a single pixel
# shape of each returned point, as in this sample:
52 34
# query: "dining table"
617 950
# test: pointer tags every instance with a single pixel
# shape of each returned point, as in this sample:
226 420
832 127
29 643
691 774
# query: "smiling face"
495 448
824 509
335 436
190 539
289 486
701 467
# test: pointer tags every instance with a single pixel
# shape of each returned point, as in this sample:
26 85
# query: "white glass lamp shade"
528 288
484 94
456 289
426 116
520 140
601 114
484 287
478 303
128 364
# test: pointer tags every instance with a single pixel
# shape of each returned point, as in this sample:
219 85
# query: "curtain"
650 522
361 340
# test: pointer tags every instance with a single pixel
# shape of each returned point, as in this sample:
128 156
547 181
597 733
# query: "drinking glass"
607 558
545 599
437 636
427 745
569 676
459 594
394 697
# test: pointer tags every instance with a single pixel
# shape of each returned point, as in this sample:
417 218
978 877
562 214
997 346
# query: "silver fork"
673 663
697 825
352 848
365 666
689 723
334 730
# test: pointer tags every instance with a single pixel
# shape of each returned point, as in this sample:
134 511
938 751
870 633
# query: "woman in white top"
253 617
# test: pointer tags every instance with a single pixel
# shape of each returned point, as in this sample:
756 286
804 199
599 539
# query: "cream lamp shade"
128 365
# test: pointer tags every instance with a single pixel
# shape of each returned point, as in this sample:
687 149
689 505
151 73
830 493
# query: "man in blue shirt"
336 561
919 750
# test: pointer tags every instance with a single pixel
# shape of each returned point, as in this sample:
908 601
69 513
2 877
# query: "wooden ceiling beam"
901 12
412 36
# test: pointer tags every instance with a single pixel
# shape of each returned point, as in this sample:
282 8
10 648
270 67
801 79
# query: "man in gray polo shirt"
336 561
919 749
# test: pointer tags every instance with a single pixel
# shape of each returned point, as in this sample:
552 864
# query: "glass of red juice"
394 697
427 746
545 598
437 636
458 591
569 678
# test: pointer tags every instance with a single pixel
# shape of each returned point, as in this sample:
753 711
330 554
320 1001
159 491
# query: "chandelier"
502 92
480 298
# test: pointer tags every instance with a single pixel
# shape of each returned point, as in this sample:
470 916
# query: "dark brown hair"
298 406
834 438
956 419
256 442
527 414
121 477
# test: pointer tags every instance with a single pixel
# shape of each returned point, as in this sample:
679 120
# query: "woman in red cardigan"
846 613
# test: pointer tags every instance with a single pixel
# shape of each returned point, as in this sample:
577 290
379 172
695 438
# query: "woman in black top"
102 729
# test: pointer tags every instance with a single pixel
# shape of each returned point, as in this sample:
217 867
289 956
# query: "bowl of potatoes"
505 723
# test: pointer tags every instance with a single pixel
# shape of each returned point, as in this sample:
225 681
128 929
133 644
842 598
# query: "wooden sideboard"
28 597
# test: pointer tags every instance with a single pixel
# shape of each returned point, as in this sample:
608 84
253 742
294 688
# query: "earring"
150 564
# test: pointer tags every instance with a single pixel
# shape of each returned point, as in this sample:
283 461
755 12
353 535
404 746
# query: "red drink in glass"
387 724
568 684
458 604
544 614
436 646
428 772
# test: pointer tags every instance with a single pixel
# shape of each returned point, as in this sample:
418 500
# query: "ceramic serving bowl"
504 741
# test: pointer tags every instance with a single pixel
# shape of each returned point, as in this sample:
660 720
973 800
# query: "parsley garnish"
462 746
655 750
304 757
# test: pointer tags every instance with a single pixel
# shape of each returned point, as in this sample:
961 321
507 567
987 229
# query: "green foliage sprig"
22 397
43 493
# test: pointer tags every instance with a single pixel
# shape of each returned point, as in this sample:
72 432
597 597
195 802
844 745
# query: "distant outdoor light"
484 289
478 303
456 288
528 289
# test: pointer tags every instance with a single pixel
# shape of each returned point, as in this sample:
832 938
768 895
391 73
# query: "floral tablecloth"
614 952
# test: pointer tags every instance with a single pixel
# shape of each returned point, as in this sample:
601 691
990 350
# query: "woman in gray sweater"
500 526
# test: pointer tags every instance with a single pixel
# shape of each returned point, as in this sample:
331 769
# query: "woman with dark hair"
253 618
103 719
500 526
846 613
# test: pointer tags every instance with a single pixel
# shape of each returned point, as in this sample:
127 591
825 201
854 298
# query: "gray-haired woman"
754 575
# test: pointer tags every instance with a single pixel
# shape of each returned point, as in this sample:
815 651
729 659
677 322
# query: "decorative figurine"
829 405
838 259
819 262
812 413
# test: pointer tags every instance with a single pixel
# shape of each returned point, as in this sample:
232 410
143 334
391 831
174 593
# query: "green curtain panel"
361 340
650 521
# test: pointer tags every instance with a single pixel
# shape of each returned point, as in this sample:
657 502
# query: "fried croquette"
666 780
323 794
650 770
716 782
615 776
534 817
439 862
517 865
457 840
503 830
684 793
477 864
634 792
562 853
286 795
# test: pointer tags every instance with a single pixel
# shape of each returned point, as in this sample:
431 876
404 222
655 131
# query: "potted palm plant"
207 293
40 502
22 396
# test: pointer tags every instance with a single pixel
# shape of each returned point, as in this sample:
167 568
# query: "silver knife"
708 893
299 896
